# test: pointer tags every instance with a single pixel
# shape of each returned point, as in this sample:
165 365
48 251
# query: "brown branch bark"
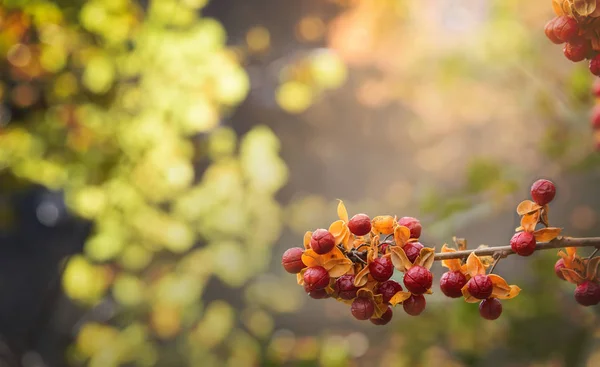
504 251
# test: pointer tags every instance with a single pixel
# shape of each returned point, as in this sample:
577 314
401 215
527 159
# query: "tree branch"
504 251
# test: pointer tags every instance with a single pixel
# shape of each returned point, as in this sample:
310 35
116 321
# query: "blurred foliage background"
157 157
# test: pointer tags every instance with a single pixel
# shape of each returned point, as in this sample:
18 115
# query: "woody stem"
594 253
556 243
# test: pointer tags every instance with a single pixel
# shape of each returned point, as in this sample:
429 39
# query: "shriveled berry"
543 191
315 278
322 241
587 293
418 279
565 28
292 260
549 30
595 119
362 308
451 283
414 305
388 289
385 318
381 269
523 243
413 224
560 264
344 286
360 224
412 250
480 286
595 65
577 49
490 309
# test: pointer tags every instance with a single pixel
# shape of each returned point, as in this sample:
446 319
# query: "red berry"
577 49
560 264
412 250
413 224
587 293
595 65
318 293
418 279
315 278
451 283
523 243
292 260
322 241
388 289
381 269
596 88
384 248
565 28
480 286
595 120
414 305
543 191
385 318
345 288
549 30
360 224
490 308
362 308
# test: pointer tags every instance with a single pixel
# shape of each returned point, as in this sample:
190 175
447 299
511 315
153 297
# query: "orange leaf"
526 207
468 297
307 237
546 234
338 229
425 258
399 259
311 258
452 264
335 253
572 276
342 212
399 297
514 291
338 267
529 221
300 276
501 288
362 277
474 265
557 7
401 235
380 308
383 224
346 240
592 268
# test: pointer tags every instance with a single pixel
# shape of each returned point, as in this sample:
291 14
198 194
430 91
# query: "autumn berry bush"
354 260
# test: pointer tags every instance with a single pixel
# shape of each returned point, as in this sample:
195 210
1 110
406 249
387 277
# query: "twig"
497 257
594 253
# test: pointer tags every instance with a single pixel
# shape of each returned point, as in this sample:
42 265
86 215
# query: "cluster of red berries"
583 272
565 29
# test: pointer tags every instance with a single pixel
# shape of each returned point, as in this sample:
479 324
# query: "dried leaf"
365 293
307 237
401 235
399 297
461 243
346 241
452 264
468 297
557 7
514 291
501 287
474 265
362 277
379 309
335 253
544 217
300 276
526 207
487 261
592 268
546 234
383 224
584 7
399 259
342 212
572 276
311 258
426 257
529 221
339 230
338 267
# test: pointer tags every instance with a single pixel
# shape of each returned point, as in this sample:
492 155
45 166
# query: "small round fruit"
315 278
412 250
388 289
414 305
543 191
595 65
451 283
345 288
480 286
318 294
549 30
577 49
418 279
595 119
560 264
381 269
587 293
523 243
490 309
360 224
362 308
413 224
292 260
566 28
322 241
385 318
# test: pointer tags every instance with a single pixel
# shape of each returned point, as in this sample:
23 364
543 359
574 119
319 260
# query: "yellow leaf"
383 224
572 276
338 267
401 235
468 297
452 264
342 212
514 291
546 234
474 265
399 259
307 237
399 297
425 258
346 241
339 230
362 277
584 7
311 258
526 207
529 221
300 276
